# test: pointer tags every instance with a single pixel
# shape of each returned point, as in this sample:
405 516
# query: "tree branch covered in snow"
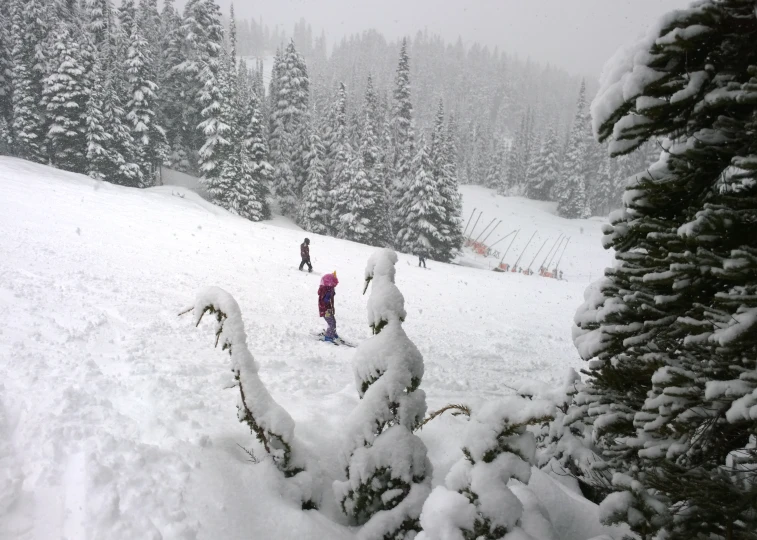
272 425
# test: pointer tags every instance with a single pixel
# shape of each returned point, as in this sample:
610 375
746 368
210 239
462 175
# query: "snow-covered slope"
115 417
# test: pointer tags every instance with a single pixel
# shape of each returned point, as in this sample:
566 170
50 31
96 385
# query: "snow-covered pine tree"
149 136
675 318
425 218
315 210
127 16
28 38
570 189
444 172
544 169
403 145
6 104
476 502
335 135
290 106
364 206
201 41
171 94
603 188
219 157
253 186
388 472
65 96
100 22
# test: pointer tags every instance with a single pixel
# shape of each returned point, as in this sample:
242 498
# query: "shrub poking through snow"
476 502
268 421
388 473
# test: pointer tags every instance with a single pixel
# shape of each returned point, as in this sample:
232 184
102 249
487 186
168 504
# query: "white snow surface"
118 418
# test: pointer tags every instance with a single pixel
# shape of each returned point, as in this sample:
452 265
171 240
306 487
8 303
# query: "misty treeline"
368 143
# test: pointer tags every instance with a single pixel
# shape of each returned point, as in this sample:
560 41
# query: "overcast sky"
578 35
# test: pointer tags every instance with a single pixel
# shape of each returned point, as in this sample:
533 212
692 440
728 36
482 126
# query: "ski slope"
116 420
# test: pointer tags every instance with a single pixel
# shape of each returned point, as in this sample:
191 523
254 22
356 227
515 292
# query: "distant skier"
422 257
326 295
305 254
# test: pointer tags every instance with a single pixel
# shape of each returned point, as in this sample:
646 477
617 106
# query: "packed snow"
118 418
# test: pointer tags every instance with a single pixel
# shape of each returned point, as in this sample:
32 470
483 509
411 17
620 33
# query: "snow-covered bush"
564 447
388 473
476 502
272 425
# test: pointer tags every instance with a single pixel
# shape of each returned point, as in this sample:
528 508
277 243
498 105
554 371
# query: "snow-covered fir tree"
65 96
403 145
444 172
251 194
6 64
424 223
388 473
670 331
28 38
315 208
110 146
149 136
570 188
544 169
289 108
219 158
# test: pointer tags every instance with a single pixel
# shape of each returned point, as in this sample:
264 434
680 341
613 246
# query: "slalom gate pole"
490 232
482 232
524 249
469 220
557 250
517 232
550 250
498 241
537 254
476 223
561 256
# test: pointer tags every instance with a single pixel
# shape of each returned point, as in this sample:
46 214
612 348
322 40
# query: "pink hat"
329 280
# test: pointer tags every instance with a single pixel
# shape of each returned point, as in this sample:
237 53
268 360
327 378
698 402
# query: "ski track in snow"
116 420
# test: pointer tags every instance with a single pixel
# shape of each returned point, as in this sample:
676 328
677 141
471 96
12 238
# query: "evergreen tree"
149 136
100 23
28 37
570 189
388 473
65 96
127 16
219 161
255 170
670 331
315 213
544 169
403 142
424 221
110 147
201 41
290 106
445 178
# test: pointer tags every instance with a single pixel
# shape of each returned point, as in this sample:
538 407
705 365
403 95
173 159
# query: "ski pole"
469 220
537 254
498 241
557 250
561 256
550 250
482 232
517 231
490 232
524 250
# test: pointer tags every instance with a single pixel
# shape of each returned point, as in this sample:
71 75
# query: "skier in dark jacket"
305 254
422 257
326 295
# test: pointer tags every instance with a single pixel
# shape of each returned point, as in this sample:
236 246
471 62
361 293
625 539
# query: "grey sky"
578 35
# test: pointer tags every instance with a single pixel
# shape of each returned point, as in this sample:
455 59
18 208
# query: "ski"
321 336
